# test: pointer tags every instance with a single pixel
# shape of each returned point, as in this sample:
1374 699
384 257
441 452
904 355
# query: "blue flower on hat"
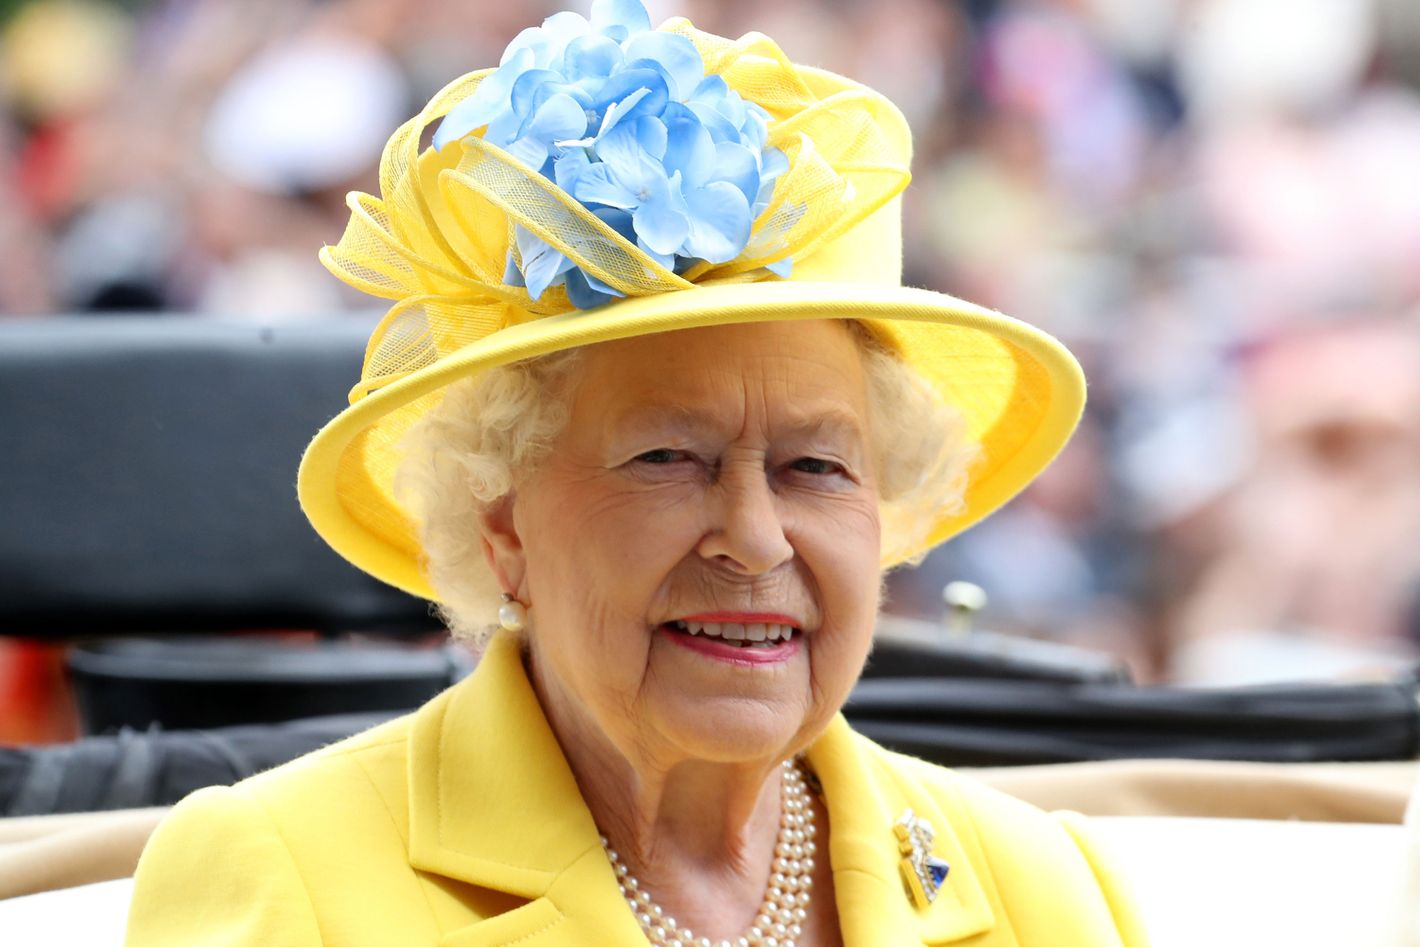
624 119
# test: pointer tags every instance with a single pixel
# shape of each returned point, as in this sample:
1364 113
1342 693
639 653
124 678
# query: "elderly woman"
649 418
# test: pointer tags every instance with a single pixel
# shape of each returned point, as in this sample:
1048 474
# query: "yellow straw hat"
460 229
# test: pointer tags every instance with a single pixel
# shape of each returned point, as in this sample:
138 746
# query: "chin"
731 729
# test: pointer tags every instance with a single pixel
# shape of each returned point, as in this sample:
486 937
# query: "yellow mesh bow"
437 238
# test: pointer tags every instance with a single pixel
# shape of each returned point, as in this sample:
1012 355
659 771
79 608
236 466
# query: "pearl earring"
512 614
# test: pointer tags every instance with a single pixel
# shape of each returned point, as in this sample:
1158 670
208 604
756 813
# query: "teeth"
762 633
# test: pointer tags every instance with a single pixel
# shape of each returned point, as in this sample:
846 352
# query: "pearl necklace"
781 916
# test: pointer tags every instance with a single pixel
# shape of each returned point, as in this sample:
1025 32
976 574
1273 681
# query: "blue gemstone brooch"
922 872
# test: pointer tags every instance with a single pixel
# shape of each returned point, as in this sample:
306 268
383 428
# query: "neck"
699 834
692 811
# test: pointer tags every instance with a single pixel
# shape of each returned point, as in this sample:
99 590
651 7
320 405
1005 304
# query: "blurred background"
1214 203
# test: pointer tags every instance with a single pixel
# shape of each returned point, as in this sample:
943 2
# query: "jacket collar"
492 799
493 803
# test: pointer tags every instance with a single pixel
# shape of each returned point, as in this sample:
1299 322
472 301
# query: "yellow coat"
461 825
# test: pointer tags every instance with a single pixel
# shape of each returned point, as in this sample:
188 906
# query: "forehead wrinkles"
754 391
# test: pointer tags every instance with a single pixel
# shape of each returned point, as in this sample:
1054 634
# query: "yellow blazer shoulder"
461 825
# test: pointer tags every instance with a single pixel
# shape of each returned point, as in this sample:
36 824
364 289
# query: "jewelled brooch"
922 872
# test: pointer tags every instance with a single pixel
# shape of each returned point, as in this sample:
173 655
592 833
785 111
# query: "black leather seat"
147 485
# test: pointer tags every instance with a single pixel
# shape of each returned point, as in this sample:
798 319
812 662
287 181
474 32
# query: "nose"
745 533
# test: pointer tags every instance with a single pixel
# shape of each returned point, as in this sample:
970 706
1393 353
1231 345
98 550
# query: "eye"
661 455
816 466
666 465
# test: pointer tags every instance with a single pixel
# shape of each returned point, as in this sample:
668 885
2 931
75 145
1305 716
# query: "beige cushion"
42 853
1244 883
91 915
1411 922
1314 792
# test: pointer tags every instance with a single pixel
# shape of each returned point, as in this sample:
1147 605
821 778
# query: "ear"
503 548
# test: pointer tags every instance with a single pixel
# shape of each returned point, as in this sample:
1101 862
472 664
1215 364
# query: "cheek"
843 554
843 535
610 549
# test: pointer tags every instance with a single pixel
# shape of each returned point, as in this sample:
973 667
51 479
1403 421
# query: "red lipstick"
734 654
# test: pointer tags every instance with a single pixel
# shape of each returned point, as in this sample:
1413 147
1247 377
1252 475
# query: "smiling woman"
466 453
651 394
704 511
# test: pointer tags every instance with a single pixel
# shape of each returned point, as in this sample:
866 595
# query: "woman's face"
714 477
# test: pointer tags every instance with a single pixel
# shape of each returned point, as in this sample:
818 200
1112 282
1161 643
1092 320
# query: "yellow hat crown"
440 239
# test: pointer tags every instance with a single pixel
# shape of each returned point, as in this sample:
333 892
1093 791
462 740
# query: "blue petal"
530 151
651 136
651 66
569 167
534 42
486 102
504 129
629 164
542 263
525 89
626 16
560 117
772 163
719 222
710 88
585 92
733 108
626 81
781 269
721 108
591 57
762 200
597 185
618 220
616 111
689 147
581 294
720 127
738 165
675 54
463 119
559 30
661 227
598 285
668 260
754 131
511 274
621 152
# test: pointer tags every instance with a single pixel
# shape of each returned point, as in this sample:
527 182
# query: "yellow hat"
448 237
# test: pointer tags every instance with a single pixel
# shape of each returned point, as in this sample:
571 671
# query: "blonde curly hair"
494 429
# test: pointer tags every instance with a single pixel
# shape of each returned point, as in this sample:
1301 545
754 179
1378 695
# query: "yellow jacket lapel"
493 803
865 799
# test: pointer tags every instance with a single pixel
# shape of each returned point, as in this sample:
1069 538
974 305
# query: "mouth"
749 636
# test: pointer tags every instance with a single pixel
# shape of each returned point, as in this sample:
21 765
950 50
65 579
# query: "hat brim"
1020 390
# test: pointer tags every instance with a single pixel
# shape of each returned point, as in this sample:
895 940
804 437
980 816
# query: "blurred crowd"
1215 203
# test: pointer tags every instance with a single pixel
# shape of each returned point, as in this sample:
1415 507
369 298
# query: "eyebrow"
831 421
